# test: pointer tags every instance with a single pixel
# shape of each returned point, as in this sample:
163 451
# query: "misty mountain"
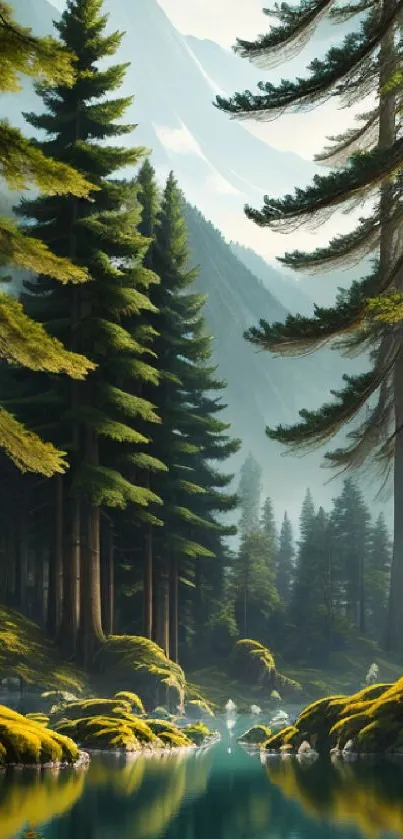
288 291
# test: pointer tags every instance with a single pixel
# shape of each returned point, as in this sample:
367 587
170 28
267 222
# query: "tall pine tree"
285 561
370 157
99 418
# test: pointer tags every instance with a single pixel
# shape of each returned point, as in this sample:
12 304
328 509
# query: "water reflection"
366 795
29 799
207 795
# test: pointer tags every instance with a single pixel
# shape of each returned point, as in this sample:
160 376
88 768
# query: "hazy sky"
220 20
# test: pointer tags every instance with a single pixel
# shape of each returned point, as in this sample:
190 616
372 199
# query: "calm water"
221 793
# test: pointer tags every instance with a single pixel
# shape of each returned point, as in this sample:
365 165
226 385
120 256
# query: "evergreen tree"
312 604
99 419
350 534
255 593
285 561
22 341
377 574
249 492
191 437
369 158
268 522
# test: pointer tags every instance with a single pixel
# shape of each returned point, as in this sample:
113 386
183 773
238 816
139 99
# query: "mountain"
218 162
286 289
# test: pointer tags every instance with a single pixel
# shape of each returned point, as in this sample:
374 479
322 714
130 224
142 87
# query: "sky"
220 20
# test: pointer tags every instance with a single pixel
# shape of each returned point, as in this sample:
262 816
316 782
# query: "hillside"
288 291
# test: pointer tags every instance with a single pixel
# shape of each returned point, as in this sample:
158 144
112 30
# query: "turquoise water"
217 793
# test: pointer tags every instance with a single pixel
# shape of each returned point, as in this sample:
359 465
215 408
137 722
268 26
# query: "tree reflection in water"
207 795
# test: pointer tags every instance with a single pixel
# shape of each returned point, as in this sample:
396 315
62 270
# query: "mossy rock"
197 732
256 735
90 708
371 720
43 719
132 698
26 741
110 724
175 739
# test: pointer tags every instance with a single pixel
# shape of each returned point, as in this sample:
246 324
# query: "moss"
197 732
132 698
175 738
27 741
372 719
40 718
25 652
110 724
256 735
288 736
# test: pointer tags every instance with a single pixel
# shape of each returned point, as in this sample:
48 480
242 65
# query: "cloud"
178 140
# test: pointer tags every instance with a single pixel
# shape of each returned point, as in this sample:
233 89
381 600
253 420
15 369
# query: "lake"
217 793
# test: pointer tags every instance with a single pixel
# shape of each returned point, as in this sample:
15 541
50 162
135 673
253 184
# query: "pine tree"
99 419
249 492
255 593
285 561
377 574
369 158
268 522
22 341
312 606
350 534
191 438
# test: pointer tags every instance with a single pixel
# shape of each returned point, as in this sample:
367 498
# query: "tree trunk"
90 632
163 622
39 586
21 577
174 645
55 584
108 580
148 584
71 575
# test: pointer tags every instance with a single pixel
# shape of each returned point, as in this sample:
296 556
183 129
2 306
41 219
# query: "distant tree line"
313 596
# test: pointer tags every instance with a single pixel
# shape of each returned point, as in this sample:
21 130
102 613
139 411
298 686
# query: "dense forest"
119 504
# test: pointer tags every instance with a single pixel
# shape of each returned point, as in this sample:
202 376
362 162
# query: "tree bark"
174 645
90 632
108 580
21 577
163 622
148 584
55 585
67 634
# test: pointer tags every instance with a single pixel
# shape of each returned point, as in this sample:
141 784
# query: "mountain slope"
286 289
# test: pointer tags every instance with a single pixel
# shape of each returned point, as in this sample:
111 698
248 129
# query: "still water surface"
218 793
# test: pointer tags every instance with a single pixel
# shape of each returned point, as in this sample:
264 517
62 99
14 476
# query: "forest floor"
344 674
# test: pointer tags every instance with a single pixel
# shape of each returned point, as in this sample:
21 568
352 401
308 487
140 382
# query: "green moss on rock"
26 741
370 721
110 724
256 735
197 732
132 698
